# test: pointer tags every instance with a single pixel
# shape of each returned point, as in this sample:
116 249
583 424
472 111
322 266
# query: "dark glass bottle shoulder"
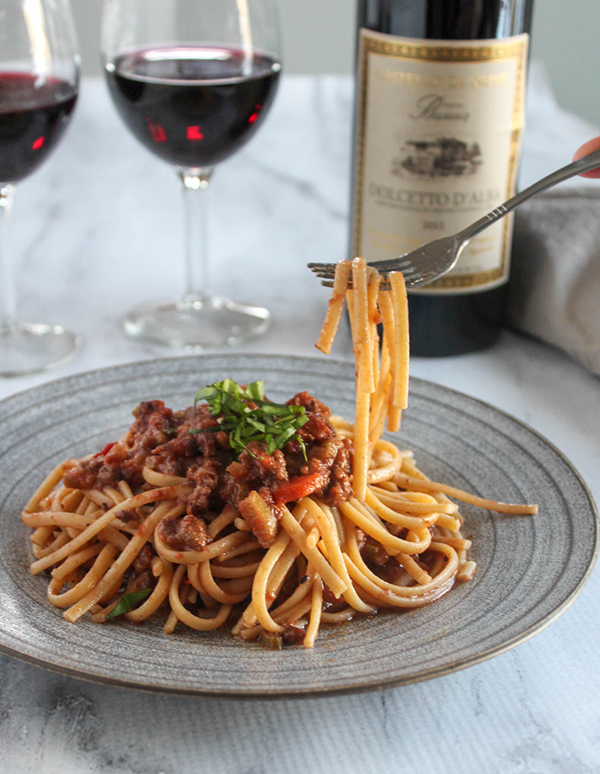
446 19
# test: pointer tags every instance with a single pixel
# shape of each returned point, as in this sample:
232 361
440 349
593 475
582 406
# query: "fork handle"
575 168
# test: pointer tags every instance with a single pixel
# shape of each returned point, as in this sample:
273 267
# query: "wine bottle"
439 115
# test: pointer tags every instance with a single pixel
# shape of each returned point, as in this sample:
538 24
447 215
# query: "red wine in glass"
193 81
193 106
39 79
33 116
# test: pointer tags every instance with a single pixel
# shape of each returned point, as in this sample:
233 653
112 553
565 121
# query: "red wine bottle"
439 115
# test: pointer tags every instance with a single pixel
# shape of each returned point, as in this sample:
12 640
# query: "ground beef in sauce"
143 560
124 461
185 534
293 635
319 427
140 582
330 603
139 575
188 444
205 477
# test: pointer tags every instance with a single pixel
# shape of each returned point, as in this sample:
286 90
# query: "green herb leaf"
258 425
302 446
256 390
128 601
246 416
204 394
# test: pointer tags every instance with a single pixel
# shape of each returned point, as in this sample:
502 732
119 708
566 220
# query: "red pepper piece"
296 488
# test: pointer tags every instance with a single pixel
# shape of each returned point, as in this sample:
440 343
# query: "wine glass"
193 80
39 79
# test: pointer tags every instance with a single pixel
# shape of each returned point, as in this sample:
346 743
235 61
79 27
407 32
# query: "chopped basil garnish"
273 424
128 601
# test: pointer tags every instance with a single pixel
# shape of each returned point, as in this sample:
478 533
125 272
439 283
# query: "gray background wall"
318 37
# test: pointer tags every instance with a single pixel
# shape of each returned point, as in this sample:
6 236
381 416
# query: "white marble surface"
99 229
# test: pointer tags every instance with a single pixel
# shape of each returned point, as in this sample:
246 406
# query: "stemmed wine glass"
39 79
193 80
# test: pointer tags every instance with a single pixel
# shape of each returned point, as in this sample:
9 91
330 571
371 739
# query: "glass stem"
8 303
195 195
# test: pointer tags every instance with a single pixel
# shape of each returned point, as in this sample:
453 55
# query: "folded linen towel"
555 275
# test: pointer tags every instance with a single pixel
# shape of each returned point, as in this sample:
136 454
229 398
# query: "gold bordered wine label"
438 128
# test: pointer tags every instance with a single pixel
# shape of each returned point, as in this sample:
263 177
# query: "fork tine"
413 276
403 266
384 267
329 284
409 270
420 279
328 277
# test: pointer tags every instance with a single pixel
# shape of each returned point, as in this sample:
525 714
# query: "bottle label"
438 128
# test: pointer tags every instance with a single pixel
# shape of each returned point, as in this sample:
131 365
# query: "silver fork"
433 260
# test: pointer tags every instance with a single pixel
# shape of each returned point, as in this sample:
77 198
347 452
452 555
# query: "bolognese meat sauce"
188 444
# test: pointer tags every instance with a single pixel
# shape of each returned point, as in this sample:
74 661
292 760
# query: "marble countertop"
97 230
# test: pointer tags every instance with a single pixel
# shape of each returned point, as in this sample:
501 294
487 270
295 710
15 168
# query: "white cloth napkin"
555 275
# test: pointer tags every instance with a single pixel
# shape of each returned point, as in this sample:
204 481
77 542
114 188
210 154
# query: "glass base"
197 323
26 348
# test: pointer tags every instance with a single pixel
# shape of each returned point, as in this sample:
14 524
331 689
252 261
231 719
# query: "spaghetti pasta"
272 520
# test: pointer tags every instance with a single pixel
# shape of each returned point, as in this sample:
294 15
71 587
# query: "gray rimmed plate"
530 569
